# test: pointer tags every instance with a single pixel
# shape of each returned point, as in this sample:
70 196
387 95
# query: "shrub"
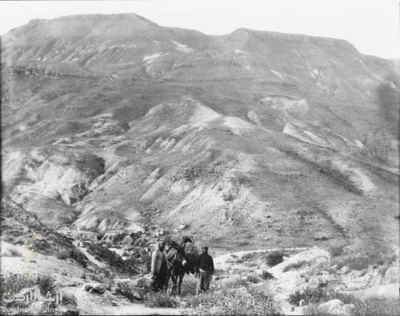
274 258
266 275
15 252
373 255
228 197
253 278
308 295
143 286
251 264
379 306
73 254
249 255
126 289
161 299
235 283
294 265
232 302
14 283
95 277
62 255
336 250
107 272
79 257
189 287
371 306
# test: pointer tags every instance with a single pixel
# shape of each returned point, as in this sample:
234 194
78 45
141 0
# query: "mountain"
113 123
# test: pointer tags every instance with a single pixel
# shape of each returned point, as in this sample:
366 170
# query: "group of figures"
172 261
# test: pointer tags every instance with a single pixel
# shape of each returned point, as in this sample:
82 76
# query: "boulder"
344 270
95 287
392 275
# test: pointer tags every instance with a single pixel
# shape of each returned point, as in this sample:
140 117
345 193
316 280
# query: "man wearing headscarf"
204 270
159 268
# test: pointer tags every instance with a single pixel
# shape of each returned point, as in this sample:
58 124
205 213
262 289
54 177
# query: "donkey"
178 264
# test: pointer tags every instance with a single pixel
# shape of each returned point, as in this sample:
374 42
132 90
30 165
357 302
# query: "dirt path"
141 309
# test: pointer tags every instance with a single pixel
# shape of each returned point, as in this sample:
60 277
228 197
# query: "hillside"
112 122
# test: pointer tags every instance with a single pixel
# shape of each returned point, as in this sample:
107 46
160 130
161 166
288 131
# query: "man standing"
204 270
159 268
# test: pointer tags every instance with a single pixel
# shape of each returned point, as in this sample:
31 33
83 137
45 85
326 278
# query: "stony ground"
316 269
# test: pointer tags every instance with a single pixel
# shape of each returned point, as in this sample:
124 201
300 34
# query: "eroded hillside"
249 139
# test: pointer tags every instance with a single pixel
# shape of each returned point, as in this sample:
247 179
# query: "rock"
95 287
392 275
349 309
321 236
344 270
334 267
136 295
336 307
341 287
318 280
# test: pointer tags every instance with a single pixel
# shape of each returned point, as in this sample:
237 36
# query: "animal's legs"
180 282
174 279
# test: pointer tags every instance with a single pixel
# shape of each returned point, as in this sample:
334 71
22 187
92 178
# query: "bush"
266 275
107 272
308 295
274 258
232 302
249 255
13 283
62 255
127 290
379 306
336 251
235 283
294 265
228 197
253 279
161 299
188 287
73 254
373 255
143 286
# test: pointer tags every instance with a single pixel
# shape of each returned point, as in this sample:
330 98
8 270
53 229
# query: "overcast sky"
371 25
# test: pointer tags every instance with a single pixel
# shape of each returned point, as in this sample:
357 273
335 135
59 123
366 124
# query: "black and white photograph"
200 157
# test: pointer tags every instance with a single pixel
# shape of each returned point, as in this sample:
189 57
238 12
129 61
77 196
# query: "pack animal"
179 263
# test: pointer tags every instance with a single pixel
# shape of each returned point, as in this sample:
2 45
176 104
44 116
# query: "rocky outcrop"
23 225
49 176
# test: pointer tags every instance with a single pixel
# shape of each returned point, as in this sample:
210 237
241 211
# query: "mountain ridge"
265 136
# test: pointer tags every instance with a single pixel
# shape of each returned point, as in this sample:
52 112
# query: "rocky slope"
114 124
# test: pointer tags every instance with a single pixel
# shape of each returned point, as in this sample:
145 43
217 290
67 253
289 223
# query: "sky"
372 26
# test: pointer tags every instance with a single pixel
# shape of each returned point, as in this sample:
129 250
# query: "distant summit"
260 136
